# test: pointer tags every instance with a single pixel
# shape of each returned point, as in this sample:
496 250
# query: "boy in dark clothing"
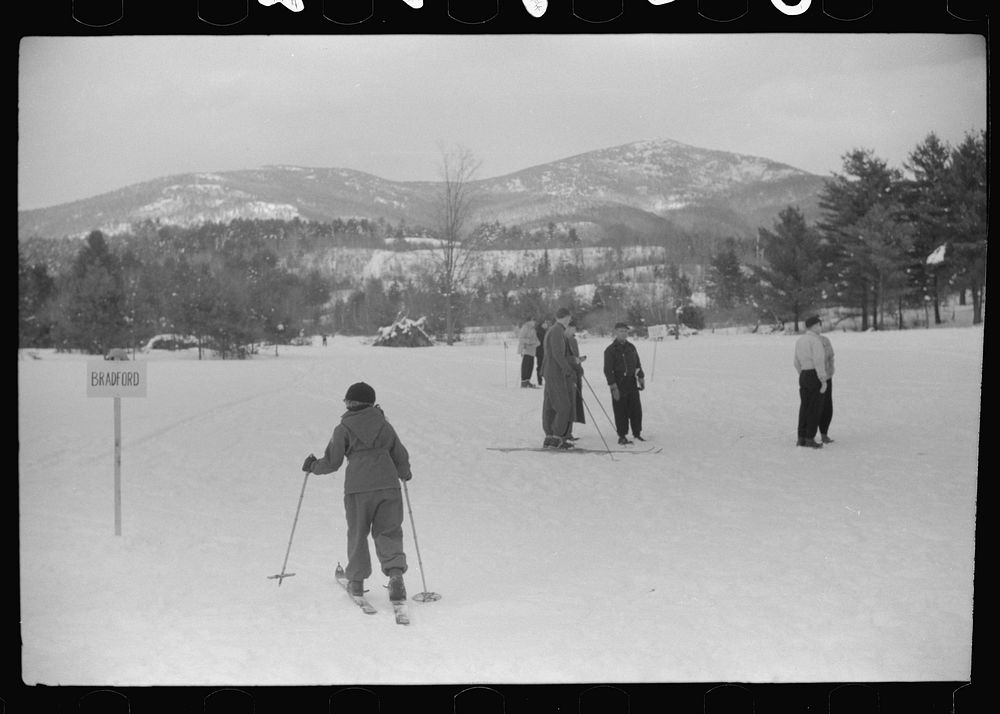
625 377
377 461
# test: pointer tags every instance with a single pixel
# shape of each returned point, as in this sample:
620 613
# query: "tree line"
888 239
232 286
226 295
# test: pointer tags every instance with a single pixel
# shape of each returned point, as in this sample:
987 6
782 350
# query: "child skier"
377 461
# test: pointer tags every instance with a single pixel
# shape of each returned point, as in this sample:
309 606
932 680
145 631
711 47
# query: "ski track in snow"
761 562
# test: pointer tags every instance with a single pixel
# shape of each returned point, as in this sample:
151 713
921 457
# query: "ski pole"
505 364
610 420
282 575
587 407
421 596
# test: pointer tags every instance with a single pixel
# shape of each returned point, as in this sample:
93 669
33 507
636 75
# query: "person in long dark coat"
623 372
559 384
577 362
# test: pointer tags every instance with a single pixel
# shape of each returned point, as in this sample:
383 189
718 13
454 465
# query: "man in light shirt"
810 363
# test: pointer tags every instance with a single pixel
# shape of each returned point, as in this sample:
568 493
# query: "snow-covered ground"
730 556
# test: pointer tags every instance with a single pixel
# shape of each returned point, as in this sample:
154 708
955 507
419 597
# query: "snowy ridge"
638 184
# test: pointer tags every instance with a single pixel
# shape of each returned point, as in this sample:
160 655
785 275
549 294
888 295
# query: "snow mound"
170 342
404 332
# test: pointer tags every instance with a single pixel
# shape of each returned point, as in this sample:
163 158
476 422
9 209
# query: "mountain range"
645 187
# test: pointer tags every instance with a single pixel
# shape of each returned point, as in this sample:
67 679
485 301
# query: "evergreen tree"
36 291
845 199
886 241
926 200
725 283
91 314
969 219
791 279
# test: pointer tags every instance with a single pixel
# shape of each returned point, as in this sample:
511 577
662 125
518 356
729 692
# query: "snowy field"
730 556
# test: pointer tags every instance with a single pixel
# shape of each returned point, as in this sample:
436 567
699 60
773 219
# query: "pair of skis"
578 450
399 607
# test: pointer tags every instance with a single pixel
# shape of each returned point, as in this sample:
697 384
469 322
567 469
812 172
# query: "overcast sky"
97 114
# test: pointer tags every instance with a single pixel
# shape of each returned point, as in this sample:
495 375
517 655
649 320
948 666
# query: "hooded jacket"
376 458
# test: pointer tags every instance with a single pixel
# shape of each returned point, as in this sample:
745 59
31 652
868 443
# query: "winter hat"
621 324
360 392
562 312
810 321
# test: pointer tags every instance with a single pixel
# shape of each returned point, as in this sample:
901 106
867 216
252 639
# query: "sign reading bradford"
116 379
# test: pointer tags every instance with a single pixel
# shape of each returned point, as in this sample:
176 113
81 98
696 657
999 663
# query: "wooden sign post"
656 333
117 379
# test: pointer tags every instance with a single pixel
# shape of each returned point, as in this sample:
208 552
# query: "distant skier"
559 383
527 347
377 461
577 362
810 363
623 372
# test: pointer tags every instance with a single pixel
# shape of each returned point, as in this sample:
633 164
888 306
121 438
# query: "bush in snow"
170 342
404 332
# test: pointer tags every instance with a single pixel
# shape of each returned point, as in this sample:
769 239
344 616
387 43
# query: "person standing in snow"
577 362
540 331
559 382
527 346
623 372
826 416
376 462
810 363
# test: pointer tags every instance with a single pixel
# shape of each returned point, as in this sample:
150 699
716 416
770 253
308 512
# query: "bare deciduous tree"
458 251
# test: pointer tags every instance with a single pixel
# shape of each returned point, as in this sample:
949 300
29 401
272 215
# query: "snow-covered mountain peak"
639 185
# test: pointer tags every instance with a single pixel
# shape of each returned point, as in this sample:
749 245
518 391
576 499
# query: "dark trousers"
826 415
628 409
578 416
538 362
379 513
810 403
527 367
